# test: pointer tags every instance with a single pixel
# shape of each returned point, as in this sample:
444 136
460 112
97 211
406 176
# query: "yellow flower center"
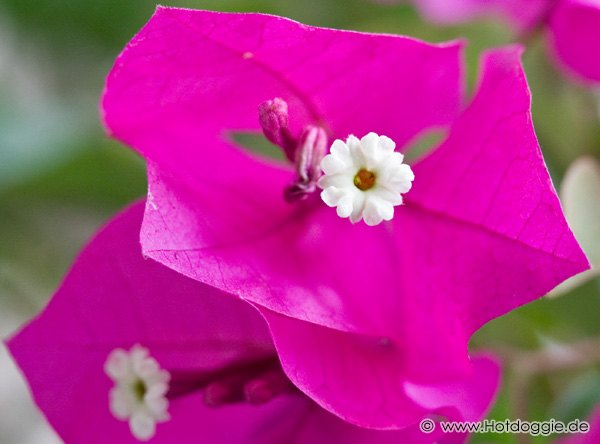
139 388
364 180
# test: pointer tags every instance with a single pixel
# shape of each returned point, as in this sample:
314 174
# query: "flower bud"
273 118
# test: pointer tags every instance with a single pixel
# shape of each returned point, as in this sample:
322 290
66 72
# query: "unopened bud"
220 393
267 386
273 119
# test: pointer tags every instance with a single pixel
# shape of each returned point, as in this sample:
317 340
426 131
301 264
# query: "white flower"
139 393
365 178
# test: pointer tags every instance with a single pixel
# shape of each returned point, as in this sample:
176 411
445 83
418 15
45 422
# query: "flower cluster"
251 311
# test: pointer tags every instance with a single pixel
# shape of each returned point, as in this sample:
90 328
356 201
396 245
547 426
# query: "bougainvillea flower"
127 325
573 26
580 197
480 232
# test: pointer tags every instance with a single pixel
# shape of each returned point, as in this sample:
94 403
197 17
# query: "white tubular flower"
139 392
365 178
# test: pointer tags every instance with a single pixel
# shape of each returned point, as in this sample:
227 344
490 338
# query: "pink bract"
573 26
482 231
575 33
114 298
523 14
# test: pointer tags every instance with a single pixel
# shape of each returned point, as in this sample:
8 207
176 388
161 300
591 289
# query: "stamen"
364 180
311 149
139 389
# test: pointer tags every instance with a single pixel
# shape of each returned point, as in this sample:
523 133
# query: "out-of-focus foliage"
60 178
580 196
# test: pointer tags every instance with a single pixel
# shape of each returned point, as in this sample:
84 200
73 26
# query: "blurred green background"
61 178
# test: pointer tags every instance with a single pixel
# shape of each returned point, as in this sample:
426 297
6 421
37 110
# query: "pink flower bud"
273 118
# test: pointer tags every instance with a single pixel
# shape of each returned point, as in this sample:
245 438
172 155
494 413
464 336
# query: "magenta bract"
481 232
573 26
575 33
114 298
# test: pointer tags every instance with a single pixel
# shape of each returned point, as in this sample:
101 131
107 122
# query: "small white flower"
139 393
365 178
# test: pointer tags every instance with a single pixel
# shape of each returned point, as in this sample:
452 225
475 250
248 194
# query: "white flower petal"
353 143
387 145
340 149
332 195
333 164
371 214
147 368
385 209
158 407
138 354
359 206
345 205
400 180
356 153
117 364
157 390
399 187
142 426
392 168
122 404
387 194
370 149
340 181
